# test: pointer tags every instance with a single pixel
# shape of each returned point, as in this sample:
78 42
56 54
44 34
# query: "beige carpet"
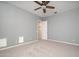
42 48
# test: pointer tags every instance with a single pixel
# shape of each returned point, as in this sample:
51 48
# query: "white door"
42 30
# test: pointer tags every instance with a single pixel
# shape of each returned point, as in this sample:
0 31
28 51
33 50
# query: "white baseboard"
29 42
64 42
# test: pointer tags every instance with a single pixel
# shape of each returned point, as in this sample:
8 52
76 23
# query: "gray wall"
15 22
64 26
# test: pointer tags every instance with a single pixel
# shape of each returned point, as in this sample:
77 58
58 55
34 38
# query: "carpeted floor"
42 49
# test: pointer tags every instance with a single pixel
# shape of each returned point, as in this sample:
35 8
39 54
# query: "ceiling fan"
43 6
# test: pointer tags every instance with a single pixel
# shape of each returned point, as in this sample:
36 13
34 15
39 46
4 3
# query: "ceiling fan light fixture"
43 7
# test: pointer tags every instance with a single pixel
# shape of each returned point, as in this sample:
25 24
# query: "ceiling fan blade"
44 10
46 2
43 1
38 3
50 7
37 8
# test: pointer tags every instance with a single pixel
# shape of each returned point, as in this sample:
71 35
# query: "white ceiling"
60 6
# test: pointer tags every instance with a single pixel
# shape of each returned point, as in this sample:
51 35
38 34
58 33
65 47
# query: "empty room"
39 28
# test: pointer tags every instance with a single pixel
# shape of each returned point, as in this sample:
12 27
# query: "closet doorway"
42 30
